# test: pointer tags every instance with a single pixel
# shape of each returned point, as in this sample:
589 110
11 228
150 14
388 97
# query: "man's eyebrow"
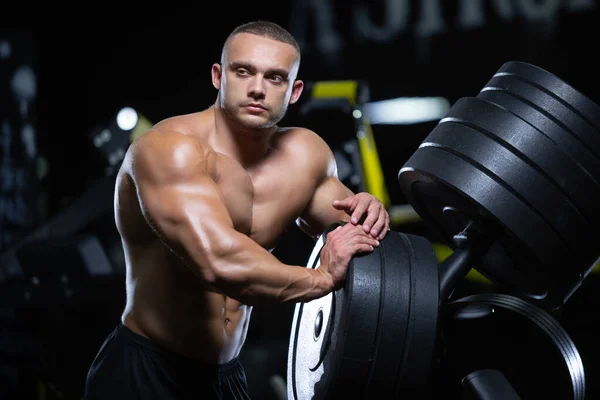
252 68
241 64
278 71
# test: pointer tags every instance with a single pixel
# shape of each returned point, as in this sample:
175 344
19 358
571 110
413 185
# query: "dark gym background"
67 75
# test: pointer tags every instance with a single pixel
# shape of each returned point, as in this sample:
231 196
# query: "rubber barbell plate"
389 348
524 342
540 120
524 182
555 86
422 329
370 336
533 146
573 121
526 256
340 361
305 356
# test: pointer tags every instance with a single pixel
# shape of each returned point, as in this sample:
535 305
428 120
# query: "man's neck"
247 146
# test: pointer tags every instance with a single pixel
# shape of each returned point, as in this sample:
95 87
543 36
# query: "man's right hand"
341 245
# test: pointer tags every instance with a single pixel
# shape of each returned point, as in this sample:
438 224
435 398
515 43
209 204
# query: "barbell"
509 179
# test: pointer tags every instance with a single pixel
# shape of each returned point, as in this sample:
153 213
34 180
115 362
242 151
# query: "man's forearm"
249 273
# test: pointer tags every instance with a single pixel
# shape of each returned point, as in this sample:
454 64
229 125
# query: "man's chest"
264 201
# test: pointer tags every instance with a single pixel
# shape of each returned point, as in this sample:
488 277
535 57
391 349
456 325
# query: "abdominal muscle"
168 304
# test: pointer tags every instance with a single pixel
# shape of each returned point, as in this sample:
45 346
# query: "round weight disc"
539 119
448 192
533 146
366 338
579 127
555 86
422 324
526 183
526 344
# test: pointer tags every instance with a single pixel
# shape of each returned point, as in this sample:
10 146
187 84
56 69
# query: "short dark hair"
266 29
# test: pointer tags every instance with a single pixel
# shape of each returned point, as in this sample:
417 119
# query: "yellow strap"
336 89
373 174
374 179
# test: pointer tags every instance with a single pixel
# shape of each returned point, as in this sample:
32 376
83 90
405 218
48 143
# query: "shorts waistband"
148 344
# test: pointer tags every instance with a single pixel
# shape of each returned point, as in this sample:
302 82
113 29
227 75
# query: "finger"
386 228
345 204
372 216
349 227
363 248
367 239
379 224
387 224
359 211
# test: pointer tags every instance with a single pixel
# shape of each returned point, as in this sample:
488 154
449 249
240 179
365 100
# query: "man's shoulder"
308 150
177 133
299 138
164 142
194 124
167 151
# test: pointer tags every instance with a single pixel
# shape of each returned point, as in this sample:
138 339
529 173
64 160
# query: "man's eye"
242 71
277 78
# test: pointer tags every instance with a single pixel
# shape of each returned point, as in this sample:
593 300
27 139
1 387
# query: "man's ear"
216 72
296 91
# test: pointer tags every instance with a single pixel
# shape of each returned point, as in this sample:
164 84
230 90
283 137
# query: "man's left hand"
366 208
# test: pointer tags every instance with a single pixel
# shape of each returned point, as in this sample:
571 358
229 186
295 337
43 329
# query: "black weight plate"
523 342
394 319
422 325
569 118
525 183
366 332
315 358
305 356
526 256
555 86
531 145
539 119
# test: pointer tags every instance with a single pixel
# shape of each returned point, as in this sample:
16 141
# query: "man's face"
256 82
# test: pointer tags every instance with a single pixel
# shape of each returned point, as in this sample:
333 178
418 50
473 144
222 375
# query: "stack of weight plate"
522 158
521 162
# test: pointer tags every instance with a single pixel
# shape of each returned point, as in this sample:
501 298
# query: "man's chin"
255 122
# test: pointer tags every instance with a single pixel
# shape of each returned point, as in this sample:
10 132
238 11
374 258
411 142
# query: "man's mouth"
256 107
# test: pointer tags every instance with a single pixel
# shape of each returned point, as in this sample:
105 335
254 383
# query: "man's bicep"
181 211
179 198
320 212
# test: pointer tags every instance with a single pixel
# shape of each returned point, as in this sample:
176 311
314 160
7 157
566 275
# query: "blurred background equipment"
90 214
112 138
406 110
333 111
340 111
21 165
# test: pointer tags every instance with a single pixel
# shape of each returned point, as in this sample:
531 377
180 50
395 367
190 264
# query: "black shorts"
130 366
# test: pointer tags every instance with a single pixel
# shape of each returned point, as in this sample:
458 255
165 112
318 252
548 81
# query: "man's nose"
257 86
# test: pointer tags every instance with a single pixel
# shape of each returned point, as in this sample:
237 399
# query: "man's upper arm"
179 197
320 213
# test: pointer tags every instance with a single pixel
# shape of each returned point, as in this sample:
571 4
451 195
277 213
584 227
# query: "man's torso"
166 302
